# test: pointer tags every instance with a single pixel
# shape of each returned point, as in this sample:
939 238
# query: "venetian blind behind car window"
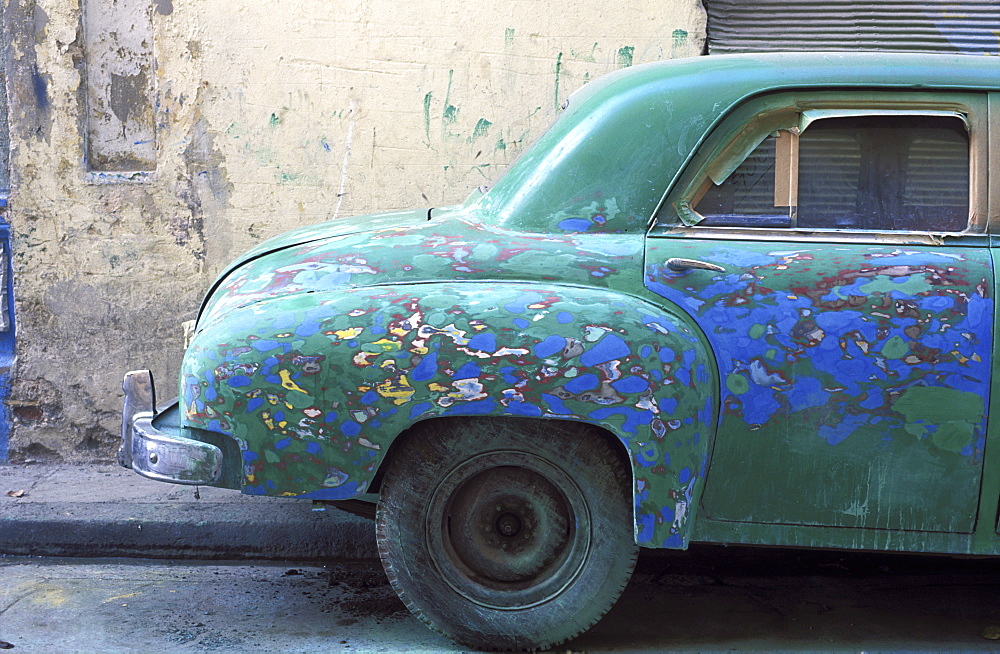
885 173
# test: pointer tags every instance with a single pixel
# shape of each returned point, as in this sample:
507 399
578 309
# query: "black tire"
507 534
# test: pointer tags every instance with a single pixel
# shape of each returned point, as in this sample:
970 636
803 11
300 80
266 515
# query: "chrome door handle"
692 264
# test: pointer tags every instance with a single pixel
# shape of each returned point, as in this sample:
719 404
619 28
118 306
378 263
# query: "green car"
728 299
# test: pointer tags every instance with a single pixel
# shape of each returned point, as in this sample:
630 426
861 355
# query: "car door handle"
692 264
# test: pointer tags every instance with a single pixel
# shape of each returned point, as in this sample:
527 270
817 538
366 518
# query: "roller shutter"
842 25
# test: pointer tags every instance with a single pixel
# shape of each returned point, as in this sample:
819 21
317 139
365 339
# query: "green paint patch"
947 415
485 252
625 56
428 262
508 36
299 400
558 75
936 404
274 120
737 384
679 37
481 129
912 285
953 436
895 348
758 331
295 178
449 116
427 117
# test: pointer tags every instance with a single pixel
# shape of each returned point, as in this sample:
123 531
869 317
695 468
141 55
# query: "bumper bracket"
158 454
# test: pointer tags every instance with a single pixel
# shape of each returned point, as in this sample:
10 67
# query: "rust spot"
28 412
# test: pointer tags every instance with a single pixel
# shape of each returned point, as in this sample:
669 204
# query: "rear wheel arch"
664 501
415 430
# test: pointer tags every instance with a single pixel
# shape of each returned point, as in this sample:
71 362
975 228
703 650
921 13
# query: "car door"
832 249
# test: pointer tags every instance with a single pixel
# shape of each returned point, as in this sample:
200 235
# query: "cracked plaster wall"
268 116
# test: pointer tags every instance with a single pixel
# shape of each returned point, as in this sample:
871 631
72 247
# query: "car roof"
621 130
735 74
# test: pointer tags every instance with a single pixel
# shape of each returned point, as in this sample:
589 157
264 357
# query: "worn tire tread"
426 440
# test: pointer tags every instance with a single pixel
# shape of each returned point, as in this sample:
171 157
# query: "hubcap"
508 529
509 525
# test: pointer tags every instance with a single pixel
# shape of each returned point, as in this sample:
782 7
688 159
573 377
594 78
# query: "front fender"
316 386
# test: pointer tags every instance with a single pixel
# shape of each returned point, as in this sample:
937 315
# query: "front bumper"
158 453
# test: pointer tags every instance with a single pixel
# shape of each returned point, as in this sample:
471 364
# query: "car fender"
316 386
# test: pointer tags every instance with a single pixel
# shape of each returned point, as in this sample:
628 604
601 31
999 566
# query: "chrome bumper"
158 454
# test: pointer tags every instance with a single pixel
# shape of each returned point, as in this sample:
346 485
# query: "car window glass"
746 198
884 173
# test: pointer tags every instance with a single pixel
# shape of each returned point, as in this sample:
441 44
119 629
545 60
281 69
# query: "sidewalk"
104 510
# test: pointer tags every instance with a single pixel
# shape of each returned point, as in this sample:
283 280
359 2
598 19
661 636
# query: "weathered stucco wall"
261 117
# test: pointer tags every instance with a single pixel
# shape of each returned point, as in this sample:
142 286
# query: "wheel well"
473 422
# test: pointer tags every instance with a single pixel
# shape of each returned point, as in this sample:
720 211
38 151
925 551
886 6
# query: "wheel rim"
508 530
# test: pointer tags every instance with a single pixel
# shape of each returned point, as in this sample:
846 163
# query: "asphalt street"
710 599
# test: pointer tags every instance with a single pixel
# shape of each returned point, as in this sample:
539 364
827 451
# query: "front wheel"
507 534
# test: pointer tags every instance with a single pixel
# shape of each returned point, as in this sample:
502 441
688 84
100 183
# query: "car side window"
878 172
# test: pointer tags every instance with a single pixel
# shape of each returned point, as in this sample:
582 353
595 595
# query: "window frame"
749 124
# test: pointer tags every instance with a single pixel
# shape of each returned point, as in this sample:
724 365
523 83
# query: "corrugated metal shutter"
900 26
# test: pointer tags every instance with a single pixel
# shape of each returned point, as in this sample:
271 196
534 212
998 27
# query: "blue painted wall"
7 341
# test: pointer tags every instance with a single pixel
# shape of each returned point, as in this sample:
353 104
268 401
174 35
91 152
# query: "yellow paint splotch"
397 389
387 345
287 383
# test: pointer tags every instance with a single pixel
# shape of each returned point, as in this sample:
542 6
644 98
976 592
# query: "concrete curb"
103 511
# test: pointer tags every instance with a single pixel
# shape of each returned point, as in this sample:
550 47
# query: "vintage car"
730 299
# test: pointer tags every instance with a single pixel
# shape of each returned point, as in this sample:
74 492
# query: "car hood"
342 227
456 245
314 234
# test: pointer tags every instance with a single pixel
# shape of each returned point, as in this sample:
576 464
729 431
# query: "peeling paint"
128 92
201 175
121 129
410 356
854 358
205 161
816 372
